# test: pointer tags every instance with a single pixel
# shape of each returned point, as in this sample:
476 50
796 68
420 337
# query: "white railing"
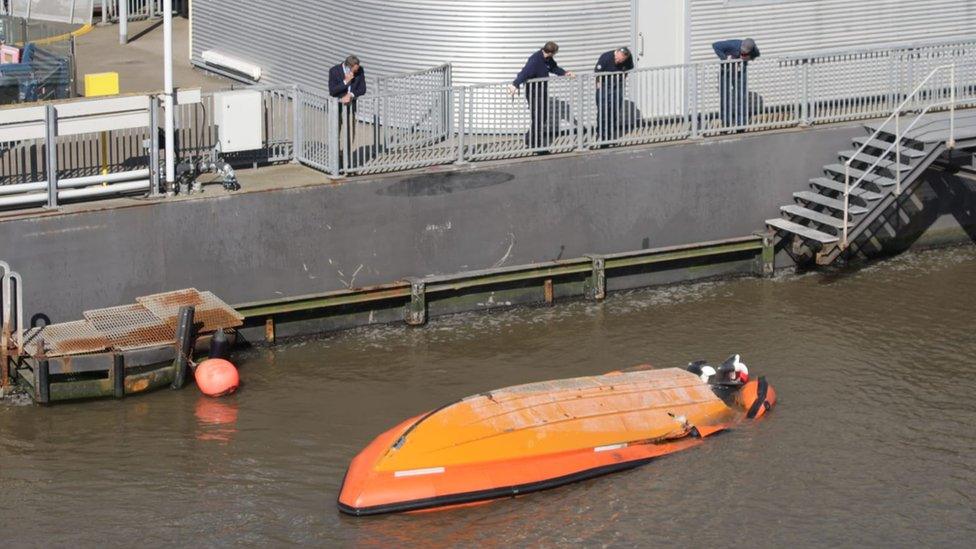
928 94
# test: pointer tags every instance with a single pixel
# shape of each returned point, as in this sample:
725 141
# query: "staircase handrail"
899 135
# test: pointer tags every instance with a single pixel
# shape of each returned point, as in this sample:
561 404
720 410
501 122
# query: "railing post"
579 114
51 153
154 147
951 144
805 93
333 137
298 125
695 105
898 153
847 199
462 92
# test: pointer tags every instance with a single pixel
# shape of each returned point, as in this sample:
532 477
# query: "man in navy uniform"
539 65
610 90
733 84
347 81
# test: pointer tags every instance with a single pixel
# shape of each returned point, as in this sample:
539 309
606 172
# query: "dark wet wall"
256 246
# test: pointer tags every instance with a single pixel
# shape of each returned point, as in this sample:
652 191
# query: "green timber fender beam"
413 295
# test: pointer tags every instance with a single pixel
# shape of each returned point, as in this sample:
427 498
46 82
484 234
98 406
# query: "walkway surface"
140 62
935 127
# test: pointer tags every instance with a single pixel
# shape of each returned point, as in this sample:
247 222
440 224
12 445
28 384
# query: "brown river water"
870 443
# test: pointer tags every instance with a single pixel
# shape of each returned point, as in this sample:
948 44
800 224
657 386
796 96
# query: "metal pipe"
40 198
847 198
18 188
168 92
5 296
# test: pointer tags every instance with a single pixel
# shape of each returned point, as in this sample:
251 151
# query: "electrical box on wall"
238 119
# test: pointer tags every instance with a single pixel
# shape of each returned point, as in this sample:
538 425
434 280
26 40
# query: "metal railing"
138 10
419 119
417 123
931 93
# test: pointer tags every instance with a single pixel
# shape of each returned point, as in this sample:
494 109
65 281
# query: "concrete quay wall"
253 246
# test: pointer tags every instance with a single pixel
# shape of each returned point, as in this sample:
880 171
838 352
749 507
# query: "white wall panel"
487 41
795 26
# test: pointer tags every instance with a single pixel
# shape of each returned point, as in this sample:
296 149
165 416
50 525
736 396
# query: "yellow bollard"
102 84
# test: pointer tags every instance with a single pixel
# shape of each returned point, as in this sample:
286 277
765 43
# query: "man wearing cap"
733 83
539 65
610 87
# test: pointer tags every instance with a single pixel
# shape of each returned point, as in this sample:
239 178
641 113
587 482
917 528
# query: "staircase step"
818 217
816 198
870 159
856 174
805 232
883 146
860 192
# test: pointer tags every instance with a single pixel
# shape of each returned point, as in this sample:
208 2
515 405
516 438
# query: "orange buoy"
217 377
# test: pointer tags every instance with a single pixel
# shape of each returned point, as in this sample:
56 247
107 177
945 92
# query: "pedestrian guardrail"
419 119
394 128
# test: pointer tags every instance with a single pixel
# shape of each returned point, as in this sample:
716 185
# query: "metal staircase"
843 207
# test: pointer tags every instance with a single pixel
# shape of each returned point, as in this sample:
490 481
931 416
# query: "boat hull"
530 438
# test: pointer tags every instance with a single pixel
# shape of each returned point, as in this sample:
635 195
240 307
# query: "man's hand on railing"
346 99
571 74
512 90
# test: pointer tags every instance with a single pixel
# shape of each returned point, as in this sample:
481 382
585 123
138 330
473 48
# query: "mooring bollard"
184 346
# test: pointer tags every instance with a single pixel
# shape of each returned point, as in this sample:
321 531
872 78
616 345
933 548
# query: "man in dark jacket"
539 65
347 82
611 69
733 85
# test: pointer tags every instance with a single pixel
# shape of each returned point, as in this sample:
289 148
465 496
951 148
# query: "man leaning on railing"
539 65
610 90
733 86
347 82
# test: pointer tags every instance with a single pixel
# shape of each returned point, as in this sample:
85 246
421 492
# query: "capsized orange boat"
532 437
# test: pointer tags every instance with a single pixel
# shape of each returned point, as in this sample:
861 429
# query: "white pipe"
168 91
74 182
41 198
5 295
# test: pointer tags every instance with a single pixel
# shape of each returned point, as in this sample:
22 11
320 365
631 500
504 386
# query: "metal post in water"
42 379
51 154
118 375
184 346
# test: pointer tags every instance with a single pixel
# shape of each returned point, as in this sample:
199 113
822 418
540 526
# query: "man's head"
747 48
550 49
621 55
353 63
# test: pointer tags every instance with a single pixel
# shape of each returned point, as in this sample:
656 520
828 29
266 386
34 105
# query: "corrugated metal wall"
794 26
487 41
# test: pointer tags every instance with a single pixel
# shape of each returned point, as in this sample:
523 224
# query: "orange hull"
533 437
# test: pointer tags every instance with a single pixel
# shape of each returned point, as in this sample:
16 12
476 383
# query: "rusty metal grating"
210 310
67 338
131 327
